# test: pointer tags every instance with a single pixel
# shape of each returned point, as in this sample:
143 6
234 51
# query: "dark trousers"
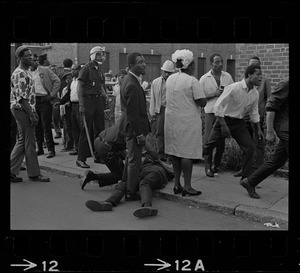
278 159
25 146
241 135
134 157
210 119
259 144
94 117
43 128
56 118
151 178
160 122
77 123
68 136
13 131
112 160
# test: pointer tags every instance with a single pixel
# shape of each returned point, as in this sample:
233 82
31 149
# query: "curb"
225 207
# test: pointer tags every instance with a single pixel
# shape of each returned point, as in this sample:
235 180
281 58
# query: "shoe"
73 153
86 178
51 154
39 178
250 189
185 192
66 149
98 206
99 160
215 171
15 179
209 172
177 190
82 164
22 168
145 212
238 174
56 143
39 152
132 197
58 135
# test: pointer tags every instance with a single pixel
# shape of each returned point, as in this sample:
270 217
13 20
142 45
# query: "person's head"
254 60
75 70
24 56
136 63
53 67
43 60
167 69
35 62
121 74
67 77
67 63
98 54
216 62
253 74
183 60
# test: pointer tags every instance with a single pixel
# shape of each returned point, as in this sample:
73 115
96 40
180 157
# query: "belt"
92 95
74 102
40 97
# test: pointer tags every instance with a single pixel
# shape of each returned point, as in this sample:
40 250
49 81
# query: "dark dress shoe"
187 193
86 178
250 189
22 168
177 190
99 160
58 135
98 206
56 143
215 170
39 152
238 174
39 178
209 172
51 154
66 149
145 212
73 153
15 179
132 197
82 164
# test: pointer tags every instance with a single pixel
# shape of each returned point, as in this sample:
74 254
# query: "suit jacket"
50 82
134 120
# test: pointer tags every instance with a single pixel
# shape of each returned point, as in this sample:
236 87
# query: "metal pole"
88 136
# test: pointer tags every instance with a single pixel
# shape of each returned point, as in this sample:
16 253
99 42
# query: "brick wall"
274 60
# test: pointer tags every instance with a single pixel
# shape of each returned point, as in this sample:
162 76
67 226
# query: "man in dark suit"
134 120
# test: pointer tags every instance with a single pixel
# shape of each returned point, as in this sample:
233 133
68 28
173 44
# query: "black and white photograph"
149 136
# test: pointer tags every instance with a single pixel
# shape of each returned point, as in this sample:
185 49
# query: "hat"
185 55
168 66
20 49
97 49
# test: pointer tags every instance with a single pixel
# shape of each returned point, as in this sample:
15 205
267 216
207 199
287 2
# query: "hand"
219 91
271 136
225 131
261 135
47 98
56 104
141 140
34 119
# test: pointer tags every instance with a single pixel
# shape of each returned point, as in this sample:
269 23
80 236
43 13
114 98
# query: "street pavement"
223 193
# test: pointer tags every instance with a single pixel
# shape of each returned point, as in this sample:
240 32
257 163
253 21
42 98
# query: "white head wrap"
185 55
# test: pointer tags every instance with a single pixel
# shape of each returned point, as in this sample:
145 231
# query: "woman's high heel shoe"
177 190
185 192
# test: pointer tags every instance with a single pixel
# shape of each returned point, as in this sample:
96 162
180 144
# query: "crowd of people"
42 98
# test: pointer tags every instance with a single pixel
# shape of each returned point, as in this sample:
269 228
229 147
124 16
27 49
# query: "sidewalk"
223 193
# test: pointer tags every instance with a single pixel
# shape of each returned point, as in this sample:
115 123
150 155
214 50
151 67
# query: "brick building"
274 57
274 60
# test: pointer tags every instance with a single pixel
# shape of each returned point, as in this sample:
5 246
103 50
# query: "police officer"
91 89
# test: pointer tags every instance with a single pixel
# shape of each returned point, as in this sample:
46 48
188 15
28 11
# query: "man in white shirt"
116 92
238 100
157 106
213 83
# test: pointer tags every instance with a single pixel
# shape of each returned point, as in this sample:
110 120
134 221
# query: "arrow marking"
28 265
163 265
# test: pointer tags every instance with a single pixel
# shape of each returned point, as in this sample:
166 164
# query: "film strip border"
151 22
148 251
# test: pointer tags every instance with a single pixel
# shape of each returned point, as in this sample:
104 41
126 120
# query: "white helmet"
168 66
96 50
